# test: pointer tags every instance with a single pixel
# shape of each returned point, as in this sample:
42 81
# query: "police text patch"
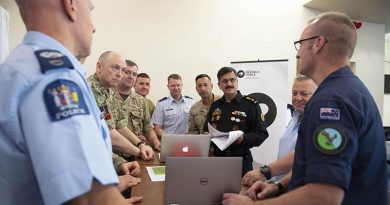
64 99
330 139
327 113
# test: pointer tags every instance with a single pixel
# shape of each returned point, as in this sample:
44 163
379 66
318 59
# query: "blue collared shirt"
289 137
173 115
48 158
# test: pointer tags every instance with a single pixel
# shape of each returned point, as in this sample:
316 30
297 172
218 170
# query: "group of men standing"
56 132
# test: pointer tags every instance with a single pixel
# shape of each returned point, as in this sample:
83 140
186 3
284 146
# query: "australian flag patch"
64 99
327 113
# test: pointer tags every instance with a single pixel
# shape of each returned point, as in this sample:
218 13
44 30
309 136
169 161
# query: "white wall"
200 36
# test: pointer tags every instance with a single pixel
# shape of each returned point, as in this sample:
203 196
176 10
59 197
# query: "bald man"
340 156
108 74
54 147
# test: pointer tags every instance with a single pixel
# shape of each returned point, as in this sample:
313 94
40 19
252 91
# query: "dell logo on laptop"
204 181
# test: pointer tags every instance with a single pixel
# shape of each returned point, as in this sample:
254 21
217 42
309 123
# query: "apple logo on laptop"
185 149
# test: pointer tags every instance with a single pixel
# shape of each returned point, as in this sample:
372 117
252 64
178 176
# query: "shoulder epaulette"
162 99
188 97
52 59
250 99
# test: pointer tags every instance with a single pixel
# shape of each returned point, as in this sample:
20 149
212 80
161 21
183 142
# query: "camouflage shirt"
138 113
118 161
198 114
109 105
151 106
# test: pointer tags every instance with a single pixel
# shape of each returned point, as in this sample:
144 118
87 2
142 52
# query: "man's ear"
70 9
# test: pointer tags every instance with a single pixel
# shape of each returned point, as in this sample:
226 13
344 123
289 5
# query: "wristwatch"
266 171
139 143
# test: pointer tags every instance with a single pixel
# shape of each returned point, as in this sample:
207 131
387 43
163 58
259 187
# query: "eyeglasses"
297 44
226 81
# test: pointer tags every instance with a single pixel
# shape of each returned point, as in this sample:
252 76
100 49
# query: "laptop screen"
181 145
201 180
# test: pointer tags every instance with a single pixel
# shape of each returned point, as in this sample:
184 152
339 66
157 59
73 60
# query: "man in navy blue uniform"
234 111
340 155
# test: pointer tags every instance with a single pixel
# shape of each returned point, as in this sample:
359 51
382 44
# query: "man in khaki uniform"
136 107
199 110
109 70
142 87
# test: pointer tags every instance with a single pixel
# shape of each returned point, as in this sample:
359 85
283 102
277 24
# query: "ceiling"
372 11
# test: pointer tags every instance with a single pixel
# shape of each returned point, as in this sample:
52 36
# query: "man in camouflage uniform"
136 107
199 110
109 70
142 87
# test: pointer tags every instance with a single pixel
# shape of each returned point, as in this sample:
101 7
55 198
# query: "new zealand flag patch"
64 99
327 113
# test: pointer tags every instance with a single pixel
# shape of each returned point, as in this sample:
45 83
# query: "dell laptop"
201 180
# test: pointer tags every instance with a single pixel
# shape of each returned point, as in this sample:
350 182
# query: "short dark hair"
202 76
143 75
131 63
174 76
225 70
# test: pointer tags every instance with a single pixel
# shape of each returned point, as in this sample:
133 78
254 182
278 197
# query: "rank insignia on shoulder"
188 97
64 99
162 99
327 113
52 59
248 98
330 139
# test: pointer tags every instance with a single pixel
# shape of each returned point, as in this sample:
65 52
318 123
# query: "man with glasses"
234 111
109 70
171 113
340 155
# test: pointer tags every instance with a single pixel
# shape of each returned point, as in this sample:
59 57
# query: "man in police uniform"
142 87
340 156
44 98
136 107
109 70
234 111
199 110
171 114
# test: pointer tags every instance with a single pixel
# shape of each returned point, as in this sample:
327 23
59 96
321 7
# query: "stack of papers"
223 139
157 173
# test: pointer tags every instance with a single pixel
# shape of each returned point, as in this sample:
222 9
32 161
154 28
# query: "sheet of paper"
156 173
223 139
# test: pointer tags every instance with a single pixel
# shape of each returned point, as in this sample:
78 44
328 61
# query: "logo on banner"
249 74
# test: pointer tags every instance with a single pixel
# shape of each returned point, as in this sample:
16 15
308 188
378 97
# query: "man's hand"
239 140
130 168
126 181
262 190
147 152
252 176
142 138
156 145
135 199
236 199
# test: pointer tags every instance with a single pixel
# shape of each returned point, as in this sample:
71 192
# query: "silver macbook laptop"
201 180
181 145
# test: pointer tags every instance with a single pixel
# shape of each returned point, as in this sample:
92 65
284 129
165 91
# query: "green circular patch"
330 139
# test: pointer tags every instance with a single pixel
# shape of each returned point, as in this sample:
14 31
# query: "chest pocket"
136 117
